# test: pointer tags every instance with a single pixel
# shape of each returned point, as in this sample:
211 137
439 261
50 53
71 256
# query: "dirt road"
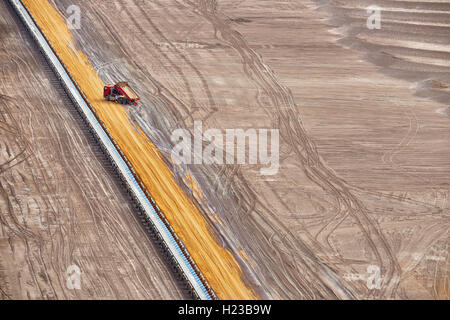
60 204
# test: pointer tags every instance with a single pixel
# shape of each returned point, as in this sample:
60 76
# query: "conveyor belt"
147 205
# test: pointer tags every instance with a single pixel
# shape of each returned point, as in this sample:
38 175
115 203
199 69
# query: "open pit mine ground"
359 207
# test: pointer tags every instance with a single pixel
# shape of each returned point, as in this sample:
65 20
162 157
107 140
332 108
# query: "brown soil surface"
364 177
60 203
216 263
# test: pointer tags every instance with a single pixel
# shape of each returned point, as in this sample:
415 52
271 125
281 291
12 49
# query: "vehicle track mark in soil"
161 93
291 129
211 103
182 212
61 204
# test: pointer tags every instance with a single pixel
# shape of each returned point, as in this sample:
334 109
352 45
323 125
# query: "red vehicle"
121 93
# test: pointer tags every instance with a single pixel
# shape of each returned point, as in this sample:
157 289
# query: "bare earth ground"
364 173
218 265
60 204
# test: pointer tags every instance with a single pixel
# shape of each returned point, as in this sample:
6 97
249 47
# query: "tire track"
211 102
412 44
162 94
292 131
60 205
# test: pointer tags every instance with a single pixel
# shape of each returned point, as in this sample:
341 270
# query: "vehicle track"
280 227
63 202
184 216
211 102
413 42
291 130
161 94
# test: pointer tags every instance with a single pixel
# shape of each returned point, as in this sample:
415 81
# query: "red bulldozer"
121 93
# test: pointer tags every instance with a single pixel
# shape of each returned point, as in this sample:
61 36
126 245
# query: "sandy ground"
364 177
218 265
60 204
363 184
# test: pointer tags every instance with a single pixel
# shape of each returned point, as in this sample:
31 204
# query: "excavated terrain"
359 206
60 202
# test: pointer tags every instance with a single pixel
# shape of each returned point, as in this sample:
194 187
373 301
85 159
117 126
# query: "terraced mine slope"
60 204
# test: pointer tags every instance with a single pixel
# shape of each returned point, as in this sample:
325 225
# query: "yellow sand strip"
217 265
